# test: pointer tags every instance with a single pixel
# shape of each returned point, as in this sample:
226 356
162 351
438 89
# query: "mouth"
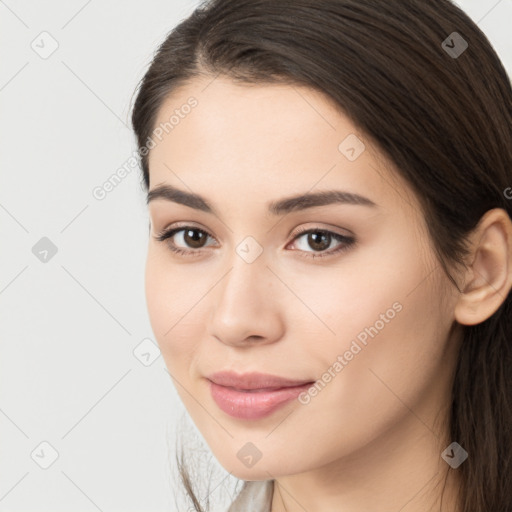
255 399
261 390
254 381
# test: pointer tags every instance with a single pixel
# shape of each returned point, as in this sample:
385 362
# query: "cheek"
393 377
173 309
383 319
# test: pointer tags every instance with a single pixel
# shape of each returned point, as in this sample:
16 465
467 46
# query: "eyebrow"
281 207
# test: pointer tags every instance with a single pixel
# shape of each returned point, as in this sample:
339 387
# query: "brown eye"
195 238
319 240
191 239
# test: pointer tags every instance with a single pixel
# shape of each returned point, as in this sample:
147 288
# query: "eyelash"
347 241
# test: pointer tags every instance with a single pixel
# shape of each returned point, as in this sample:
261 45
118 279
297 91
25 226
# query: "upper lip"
254 380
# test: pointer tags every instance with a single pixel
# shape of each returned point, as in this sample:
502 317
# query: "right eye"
192 236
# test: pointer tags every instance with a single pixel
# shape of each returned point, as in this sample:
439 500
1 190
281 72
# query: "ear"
488 278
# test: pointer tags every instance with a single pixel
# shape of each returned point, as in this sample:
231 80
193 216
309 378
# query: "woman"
330 257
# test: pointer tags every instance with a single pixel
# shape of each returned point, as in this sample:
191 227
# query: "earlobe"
489 274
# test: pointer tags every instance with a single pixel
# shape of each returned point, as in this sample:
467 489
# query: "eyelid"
183 225
301 230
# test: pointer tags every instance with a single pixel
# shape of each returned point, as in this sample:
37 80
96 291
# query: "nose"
246 306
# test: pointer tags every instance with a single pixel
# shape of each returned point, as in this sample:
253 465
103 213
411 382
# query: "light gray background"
69 326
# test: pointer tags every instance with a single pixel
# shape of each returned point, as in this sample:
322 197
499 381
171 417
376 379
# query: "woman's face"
369 318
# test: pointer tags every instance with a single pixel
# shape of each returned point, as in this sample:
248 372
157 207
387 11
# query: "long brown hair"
441 111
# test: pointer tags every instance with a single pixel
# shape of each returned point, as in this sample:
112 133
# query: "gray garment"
255 496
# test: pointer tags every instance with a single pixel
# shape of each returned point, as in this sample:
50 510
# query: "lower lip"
253 405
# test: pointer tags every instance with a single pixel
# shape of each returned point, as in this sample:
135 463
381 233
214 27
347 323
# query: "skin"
372 438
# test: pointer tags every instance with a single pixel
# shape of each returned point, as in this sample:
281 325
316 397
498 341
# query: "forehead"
235 115
261 137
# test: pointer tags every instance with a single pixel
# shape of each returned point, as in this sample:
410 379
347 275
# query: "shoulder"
255 496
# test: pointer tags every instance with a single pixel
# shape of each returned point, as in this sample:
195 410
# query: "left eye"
318 239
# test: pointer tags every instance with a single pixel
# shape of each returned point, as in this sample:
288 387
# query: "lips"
254 381
253 396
